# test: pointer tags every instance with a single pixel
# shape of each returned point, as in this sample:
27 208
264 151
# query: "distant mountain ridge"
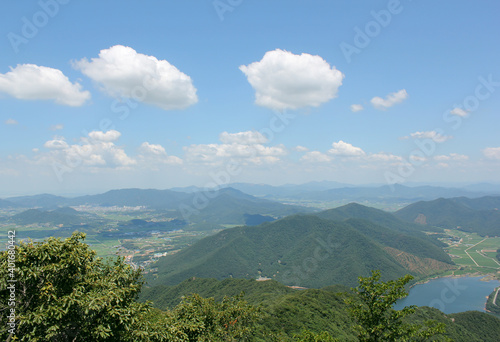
318 191
61 216
7 204
480 215
335 191
204 209
388 192
39 201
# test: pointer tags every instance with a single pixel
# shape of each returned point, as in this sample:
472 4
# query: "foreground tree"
204 319
63 292
378 321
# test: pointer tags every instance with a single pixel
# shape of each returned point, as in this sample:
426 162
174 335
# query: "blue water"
450 295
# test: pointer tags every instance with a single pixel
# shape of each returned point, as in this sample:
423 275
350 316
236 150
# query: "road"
472 247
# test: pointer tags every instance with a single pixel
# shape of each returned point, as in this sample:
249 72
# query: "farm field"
473 252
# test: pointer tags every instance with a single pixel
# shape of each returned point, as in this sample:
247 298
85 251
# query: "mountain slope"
7 204
155 199
455 213
386 192
66 216
300 250
287 312
256 292
45 201
231 206
380 217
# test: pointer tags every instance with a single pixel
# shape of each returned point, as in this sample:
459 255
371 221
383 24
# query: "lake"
450 295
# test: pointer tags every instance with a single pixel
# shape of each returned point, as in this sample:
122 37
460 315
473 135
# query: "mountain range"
309 251
203 209
314 191
479 215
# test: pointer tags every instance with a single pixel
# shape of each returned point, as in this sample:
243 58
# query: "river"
450 294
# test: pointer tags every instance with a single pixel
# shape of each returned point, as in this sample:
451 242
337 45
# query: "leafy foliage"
376 319
485 327
201 319
63 292
494 306
256 292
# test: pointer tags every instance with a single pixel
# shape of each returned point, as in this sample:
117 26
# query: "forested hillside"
303 250
471 215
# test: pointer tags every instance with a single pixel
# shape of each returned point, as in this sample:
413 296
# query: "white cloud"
384 157
96 149
58 143
283 80
110 135
152 149
244 146
33 82
492 153
342 148
390 100
155 153
301 148
356 108
122 72
56 127
10 122
244 138
417 158
434 135
451 157
459 112
315 157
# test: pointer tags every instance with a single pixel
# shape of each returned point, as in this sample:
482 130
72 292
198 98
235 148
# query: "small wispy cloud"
56 127
356 108
434 135
459 112
492 153
390 100
11 122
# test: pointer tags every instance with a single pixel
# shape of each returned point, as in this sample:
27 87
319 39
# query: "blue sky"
98 95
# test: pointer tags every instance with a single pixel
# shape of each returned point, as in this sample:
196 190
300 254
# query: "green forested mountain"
151 198
231 206
46 201
255 292
62 216
303 250
287 312
465 214
7 204
482 203
203 209
380 217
